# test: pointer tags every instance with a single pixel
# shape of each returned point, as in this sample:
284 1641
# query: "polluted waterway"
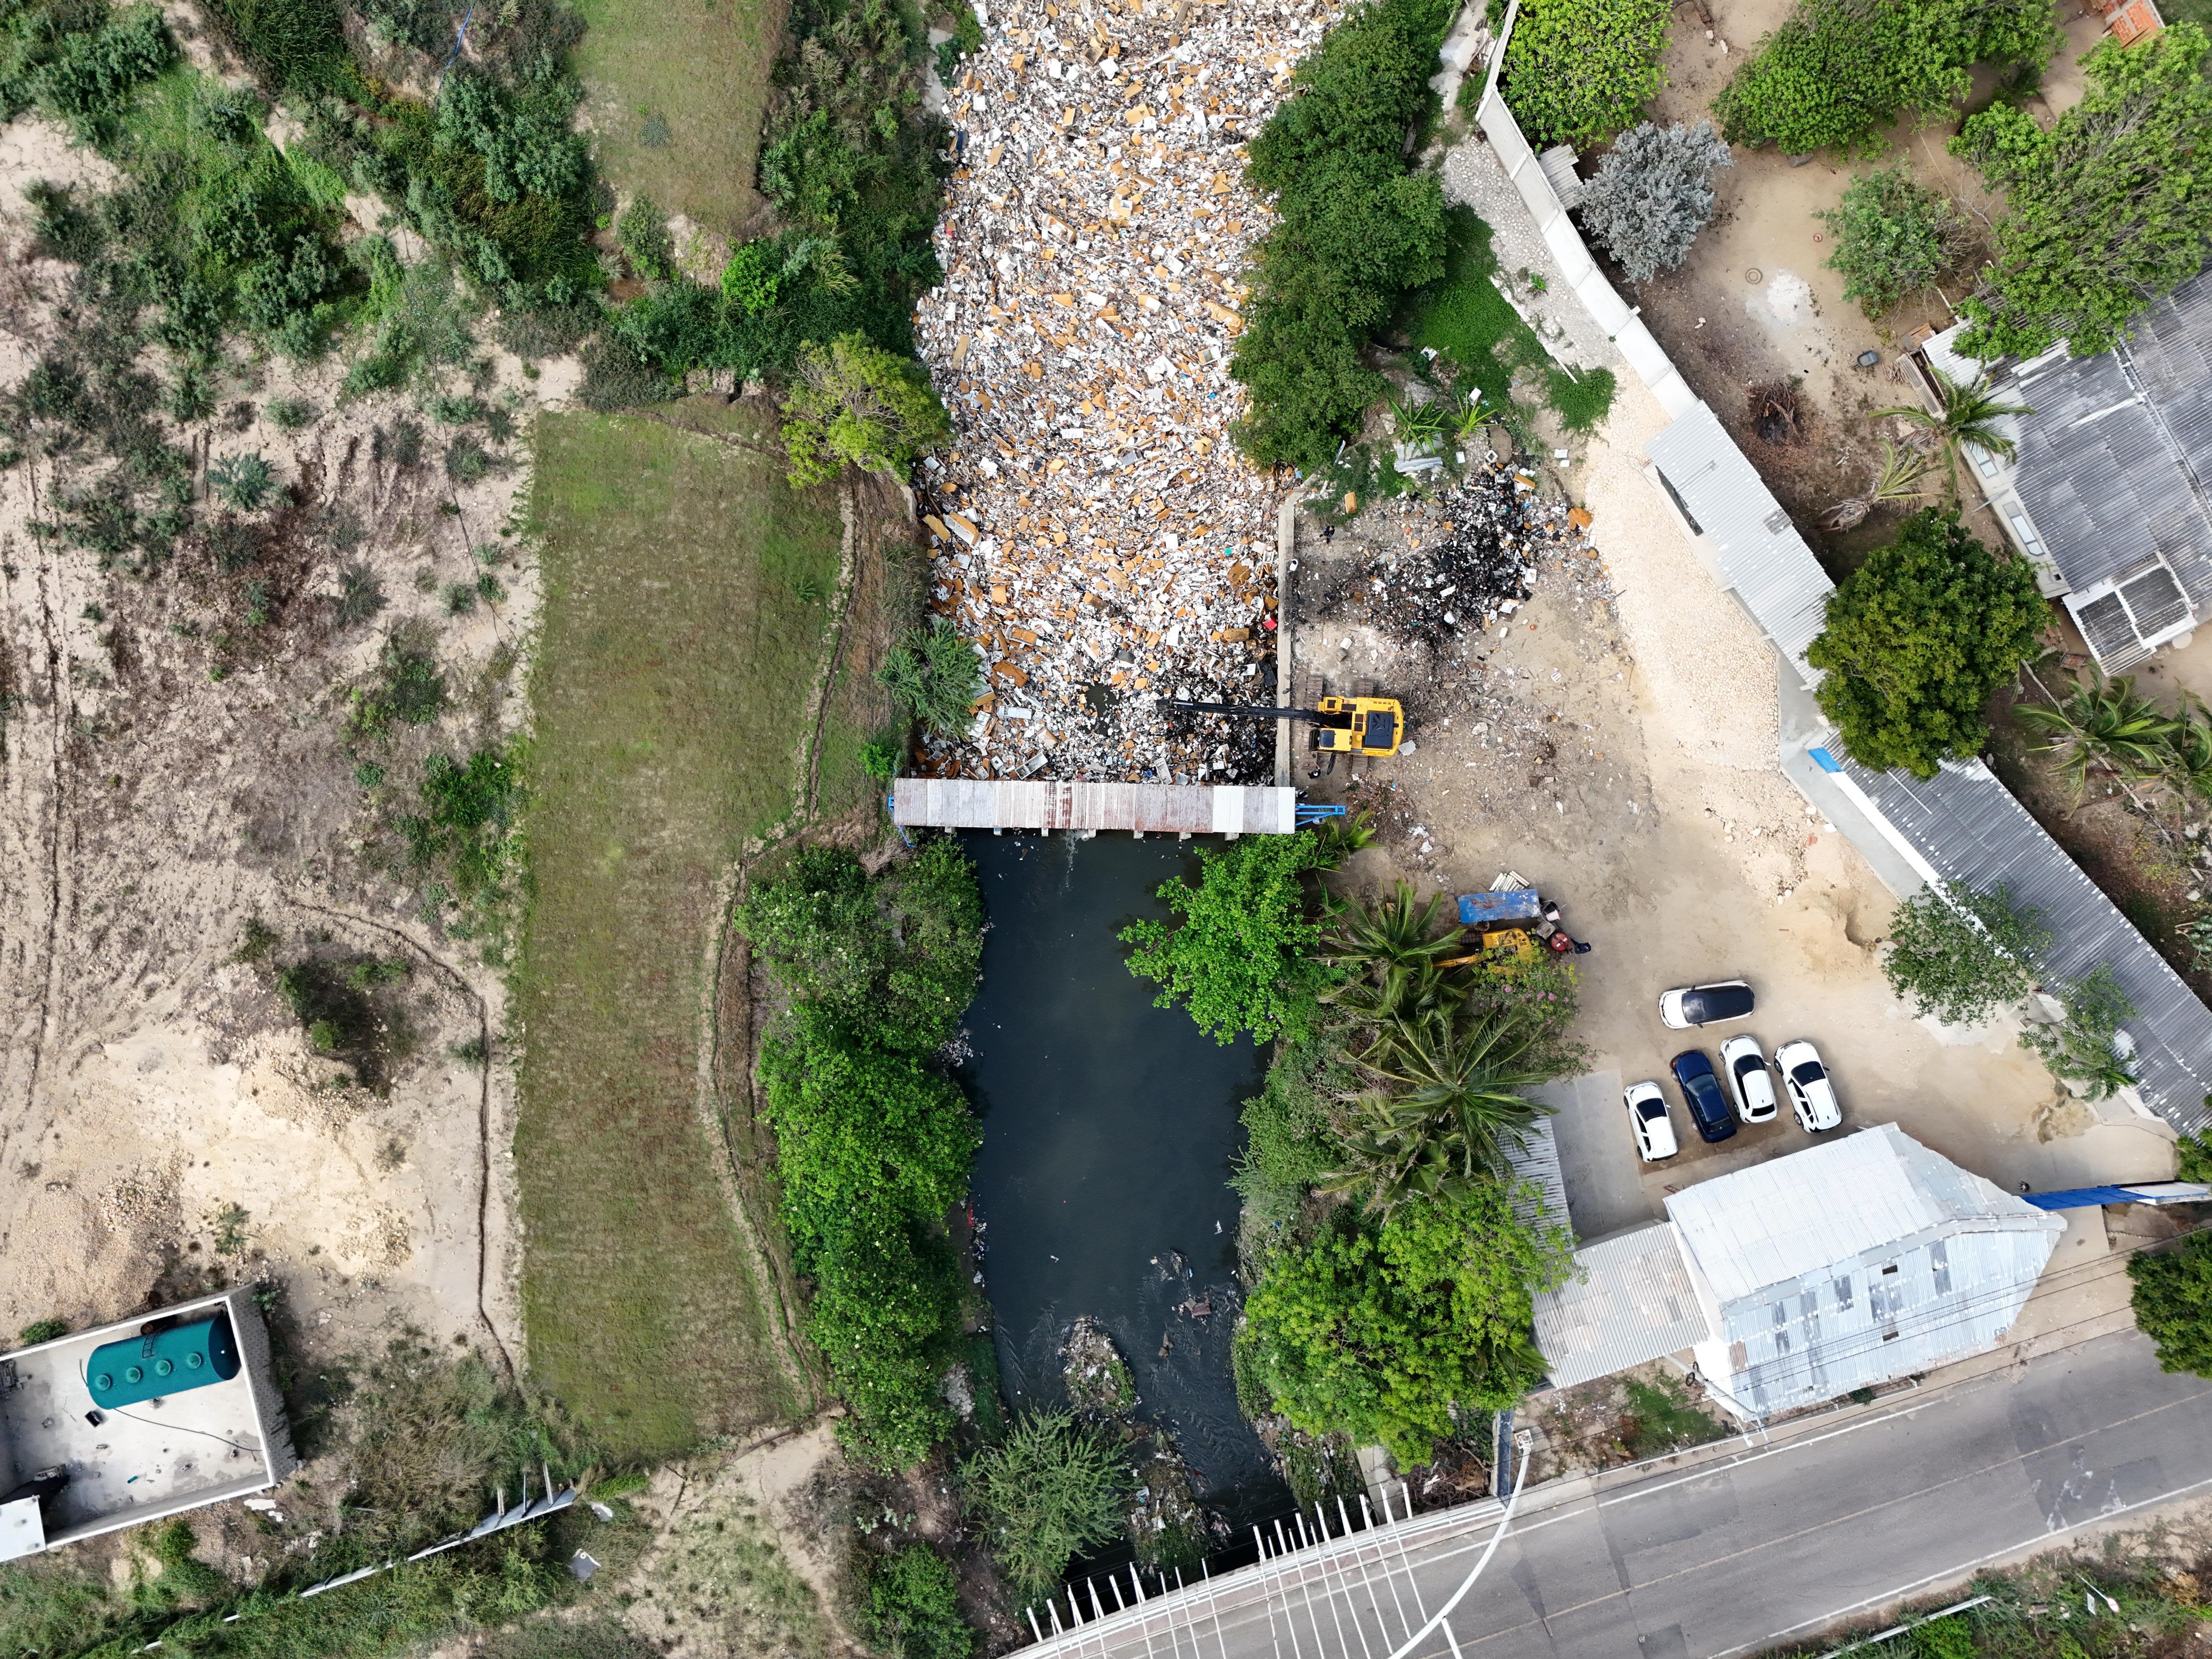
1109 1130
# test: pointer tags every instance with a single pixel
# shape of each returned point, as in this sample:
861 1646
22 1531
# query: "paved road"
1774 1542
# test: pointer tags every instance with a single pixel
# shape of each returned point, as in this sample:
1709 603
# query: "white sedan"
1811 1091
1647 1116
1744 1065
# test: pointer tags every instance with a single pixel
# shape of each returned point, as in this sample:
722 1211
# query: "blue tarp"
1512 904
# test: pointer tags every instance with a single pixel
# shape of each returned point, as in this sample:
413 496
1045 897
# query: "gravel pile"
1094 531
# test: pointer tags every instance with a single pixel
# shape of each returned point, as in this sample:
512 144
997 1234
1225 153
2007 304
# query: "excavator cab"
1359 725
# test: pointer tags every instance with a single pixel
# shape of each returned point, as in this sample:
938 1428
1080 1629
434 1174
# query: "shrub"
1382 1331
2106 211
914 1605
408 687
1838 71
857 404
88 81
643 230
1919 639
290 414
1356 232
42 1330
2174 1303
1580 70
1053 1487
467 821
1241 955
243 482
754 276
1961 954
1652 194
935 674
1894 237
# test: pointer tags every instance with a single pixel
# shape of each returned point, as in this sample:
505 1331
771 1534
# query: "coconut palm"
1446 1099
2188 749
1968 415
1391 933
2103 727
1899 478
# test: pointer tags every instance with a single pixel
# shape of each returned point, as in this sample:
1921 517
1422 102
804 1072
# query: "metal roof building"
1536 1162
2107 494
1849 1264
1630 1300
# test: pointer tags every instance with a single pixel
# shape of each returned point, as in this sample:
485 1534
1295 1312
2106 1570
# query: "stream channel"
1108 1129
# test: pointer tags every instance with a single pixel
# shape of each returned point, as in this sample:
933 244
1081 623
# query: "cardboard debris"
1086 520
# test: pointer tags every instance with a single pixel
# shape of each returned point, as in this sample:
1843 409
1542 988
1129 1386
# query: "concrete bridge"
1173 809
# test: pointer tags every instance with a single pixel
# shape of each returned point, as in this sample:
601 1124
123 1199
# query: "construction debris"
1094 531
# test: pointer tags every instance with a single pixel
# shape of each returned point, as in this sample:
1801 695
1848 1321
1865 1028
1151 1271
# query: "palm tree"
1898 479
1968 415
1389 934
2189 748
2103 726
1445 1101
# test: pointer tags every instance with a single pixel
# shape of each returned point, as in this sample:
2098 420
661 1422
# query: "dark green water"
1109 1128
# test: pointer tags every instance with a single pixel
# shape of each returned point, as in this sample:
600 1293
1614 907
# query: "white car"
1744 1064
1647 1116
1811 1091
1705 1004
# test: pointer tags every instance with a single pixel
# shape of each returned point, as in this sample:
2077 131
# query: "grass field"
675 91
688 604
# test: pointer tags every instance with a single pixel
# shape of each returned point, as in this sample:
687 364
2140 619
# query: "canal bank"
1109 1130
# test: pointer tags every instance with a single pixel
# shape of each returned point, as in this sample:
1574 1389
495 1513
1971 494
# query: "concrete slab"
1605 1188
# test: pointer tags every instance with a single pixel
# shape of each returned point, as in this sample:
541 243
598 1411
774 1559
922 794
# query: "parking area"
1616 747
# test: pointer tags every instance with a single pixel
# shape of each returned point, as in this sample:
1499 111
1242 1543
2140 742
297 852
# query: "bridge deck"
1045 804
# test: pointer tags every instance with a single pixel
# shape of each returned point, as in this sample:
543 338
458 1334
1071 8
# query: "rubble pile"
1451 567
1093 529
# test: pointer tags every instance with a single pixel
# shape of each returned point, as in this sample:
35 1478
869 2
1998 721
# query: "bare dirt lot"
1618 749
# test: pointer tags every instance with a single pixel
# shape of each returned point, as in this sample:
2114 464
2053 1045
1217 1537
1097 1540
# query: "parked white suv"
1647 1116
1705 1004
1812 1092
1744 1064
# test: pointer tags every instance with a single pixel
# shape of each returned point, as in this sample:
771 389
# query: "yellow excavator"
1348 725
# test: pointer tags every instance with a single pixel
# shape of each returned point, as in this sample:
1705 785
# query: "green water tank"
170 1361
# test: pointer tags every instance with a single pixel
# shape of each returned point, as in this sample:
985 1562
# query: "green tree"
1244 957
1052 1486
1390 932
2194 1159
1355 230
1577 71
1961 953
2104 212
1918 640
856 403
913 1606
1893 238
1380 1329
2083 1047
1966 417
1444 1100
935 674
2174 1303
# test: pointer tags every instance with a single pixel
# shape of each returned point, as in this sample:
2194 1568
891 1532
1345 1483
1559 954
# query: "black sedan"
1701 1091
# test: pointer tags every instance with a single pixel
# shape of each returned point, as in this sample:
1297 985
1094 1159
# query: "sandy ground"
151 1083
1619 750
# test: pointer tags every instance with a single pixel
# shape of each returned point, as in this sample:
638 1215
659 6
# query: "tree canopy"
1919 639
1653 194
1578 71
1960 953
2104 212
2173 1304
857 404
1380 1329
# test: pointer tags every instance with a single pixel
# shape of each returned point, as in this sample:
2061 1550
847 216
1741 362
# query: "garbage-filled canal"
1108 1129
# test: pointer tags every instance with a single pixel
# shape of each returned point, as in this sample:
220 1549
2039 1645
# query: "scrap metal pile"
1093 529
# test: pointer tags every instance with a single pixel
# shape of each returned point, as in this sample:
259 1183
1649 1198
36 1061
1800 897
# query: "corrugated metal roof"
1969 828
1761 555
1537 1162
1630 1300
1854 1261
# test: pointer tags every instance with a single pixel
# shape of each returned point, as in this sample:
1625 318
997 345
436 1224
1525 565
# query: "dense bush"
1961 953
1894 237
1580 70
935 674
1838 71
914 1606
2174 1303
1356 231
2082 1048
1918 640
1381 1330
1241 957
2107 211
873 1143
1652 194
1054 1487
